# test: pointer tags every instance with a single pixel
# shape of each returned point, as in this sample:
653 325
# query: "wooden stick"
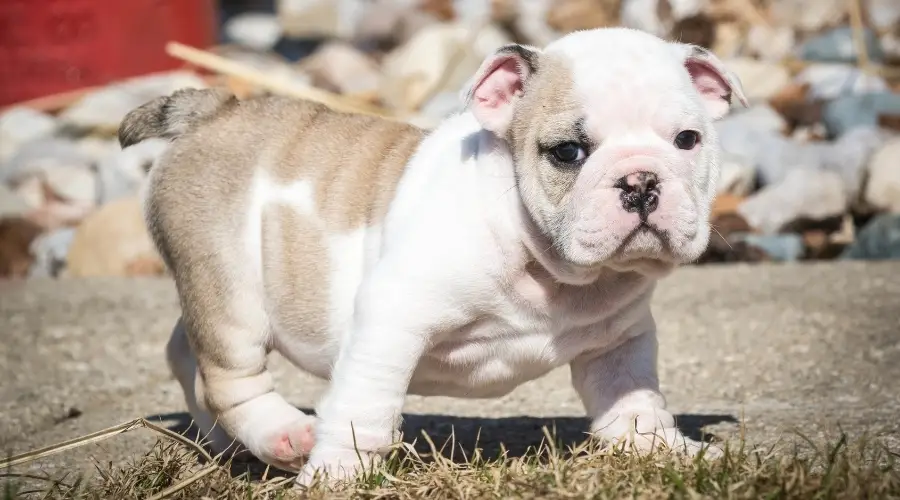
858 26
218 64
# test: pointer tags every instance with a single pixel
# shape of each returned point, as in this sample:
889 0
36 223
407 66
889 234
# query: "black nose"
640 192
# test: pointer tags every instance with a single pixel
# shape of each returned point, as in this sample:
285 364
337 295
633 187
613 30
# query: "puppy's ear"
498 83
716 84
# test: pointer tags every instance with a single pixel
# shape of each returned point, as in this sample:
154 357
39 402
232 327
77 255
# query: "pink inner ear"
715 91
501 83
707 80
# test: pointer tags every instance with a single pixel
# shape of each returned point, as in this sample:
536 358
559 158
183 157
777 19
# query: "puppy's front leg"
360 413
620 391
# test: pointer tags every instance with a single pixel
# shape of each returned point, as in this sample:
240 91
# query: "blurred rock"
122 173
11 203
20 125
339 67
530 23
737 176
807 15
890 44
726 204
565 16
837 45
877 240
16 236
109 241
41 155
437 109
742 124
829 81
658 16
723 247
778 247
415 70
803 199
822 245
729 40
761 79
770 42
882 14
798 108
317 18
259 30
72 183
102 110
845 113
883 185
49 252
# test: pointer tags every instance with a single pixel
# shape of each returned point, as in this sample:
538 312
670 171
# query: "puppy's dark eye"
568 152
687 139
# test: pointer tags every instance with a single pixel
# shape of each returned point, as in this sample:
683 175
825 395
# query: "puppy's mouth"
645 241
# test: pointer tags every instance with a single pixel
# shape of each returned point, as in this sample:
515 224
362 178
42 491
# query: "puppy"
523 234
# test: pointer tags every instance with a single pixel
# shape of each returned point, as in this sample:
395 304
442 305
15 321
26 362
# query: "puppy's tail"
173 115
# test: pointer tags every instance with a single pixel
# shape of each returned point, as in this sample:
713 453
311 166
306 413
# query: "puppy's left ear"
716 84
494 89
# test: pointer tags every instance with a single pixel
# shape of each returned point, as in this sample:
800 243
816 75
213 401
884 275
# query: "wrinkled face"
614 148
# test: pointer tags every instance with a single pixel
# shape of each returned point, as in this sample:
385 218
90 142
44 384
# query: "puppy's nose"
640 192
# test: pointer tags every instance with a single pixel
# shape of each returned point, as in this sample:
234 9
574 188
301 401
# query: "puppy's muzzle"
640 193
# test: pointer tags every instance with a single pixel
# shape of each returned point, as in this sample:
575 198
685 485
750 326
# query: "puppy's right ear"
498 84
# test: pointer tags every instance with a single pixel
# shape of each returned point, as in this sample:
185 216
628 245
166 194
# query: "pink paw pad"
298 441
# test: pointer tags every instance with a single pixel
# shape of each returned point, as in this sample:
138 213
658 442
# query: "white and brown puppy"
521 235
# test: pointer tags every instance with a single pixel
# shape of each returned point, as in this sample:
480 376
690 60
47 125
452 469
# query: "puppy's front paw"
330 466
646 431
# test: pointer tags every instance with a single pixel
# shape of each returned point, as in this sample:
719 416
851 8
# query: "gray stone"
774 156
259 30
807 15
19 125
836 45
104 108
122 173
877 240
38 156
737 176
73 183
802 195
11 204
829 81
50 251
883 14
779 247
847 112
883 185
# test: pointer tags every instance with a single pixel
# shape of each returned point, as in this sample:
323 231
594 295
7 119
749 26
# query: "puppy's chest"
534 326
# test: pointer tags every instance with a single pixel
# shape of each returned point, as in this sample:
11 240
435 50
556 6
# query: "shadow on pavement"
465 434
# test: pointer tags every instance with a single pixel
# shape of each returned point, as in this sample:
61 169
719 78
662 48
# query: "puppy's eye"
568 152
687 139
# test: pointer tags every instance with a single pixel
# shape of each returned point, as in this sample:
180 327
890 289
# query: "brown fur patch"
548 114
198 205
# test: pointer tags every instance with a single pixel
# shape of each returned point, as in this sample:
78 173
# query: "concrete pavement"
805 347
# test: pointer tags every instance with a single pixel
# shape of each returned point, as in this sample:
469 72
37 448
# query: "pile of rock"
810 171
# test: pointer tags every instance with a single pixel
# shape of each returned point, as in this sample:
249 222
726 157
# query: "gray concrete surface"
782 348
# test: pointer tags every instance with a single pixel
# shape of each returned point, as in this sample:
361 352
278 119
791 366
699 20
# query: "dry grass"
181 469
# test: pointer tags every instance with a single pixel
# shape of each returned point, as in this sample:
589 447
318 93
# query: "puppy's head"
611 133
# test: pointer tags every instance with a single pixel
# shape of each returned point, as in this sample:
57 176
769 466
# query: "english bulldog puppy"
525 233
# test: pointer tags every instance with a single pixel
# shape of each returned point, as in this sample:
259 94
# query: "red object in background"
52 46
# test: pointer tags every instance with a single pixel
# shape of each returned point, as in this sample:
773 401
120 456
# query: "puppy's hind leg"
183 365
228 331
